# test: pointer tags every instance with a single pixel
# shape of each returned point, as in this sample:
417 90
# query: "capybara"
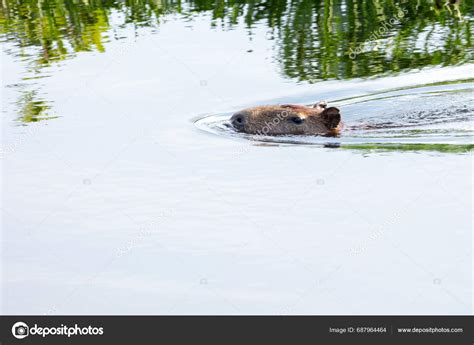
289 119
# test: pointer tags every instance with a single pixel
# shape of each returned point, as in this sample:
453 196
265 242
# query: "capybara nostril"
238 121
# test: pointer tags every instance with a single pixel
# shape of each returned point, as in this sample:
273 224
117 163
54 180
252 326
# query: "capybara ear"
331 117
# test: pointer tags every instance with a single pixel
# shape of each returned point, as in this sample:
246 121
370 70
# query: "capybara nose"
238 121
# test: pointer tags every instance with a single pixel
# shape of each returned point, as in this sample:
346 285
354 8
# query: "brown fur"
288 119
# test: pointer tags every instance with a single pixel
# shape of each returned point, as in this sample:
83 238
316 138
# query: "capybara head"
288 119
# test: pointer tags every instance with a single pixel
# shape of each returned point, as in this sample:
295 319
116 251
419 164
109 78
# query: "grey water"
125 192
421 117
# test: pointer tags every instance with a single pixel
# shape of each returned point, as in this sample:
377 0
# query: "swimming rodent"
288 119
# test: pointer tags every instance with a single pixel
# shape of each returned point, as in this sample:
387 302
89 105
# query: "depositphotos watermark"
21 330
374 40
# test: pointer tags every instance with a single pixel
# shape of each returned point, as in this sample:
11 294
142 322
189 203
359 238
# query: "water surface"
118 196
425 117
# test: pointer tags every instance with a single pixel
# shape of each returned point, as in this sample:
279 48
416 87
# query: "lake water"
124 192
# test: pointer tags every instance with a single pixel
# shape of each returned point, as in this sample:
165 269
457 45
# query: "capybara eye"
296 120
